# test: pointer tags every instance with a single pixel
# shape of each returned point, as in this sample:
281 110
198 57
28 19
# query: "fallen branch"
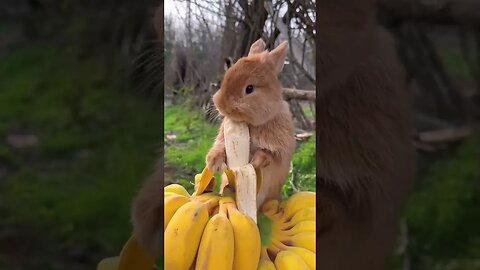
290 93
303 136
443 135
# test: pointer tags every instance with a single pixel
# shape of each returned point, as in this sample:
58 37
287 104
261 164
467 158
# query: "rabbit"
271 131
251 93
365 157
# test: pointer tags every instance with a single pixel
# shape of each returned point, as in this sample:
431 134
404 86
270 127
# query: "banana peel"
202 182
228 179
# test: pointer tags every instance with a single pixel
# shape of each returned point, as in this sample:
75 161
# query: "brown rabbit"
365 158
251 93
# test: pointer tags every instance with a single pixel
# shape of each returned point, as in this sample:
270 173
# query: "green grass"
69 197
308 112
444 213
304 169
455 63
194 138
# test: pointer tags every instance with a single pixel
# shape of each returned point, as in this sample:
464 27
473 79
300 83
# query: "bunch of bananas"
207 232
290 239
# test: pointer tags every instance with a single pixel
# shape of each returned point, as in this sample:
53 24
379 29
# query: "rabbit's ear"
257 47
277 56
228 62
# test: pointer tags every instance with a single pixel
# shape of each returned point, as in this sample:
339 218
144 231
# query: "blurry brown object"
365 158
21 141
158 23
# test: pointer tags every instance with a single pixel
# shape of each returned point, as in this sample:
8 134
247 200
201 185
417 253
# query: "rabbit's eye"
249 89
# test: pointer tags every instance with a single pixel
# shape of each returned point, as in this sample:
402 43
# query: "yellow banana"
287 260
307 256
172 203
308 213
300 227
183 234
216 249
304 240
280 223
176 188
298 201
247 240
168 194
134 256
270 208
265 263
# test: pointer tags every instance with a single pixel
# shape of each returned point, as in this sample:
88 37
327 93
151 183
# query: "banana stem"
223 208
211 204
264 254
274 249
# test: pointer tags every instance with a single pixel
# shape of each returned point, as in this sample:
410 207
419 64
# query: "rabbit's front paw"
216 160
261 159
